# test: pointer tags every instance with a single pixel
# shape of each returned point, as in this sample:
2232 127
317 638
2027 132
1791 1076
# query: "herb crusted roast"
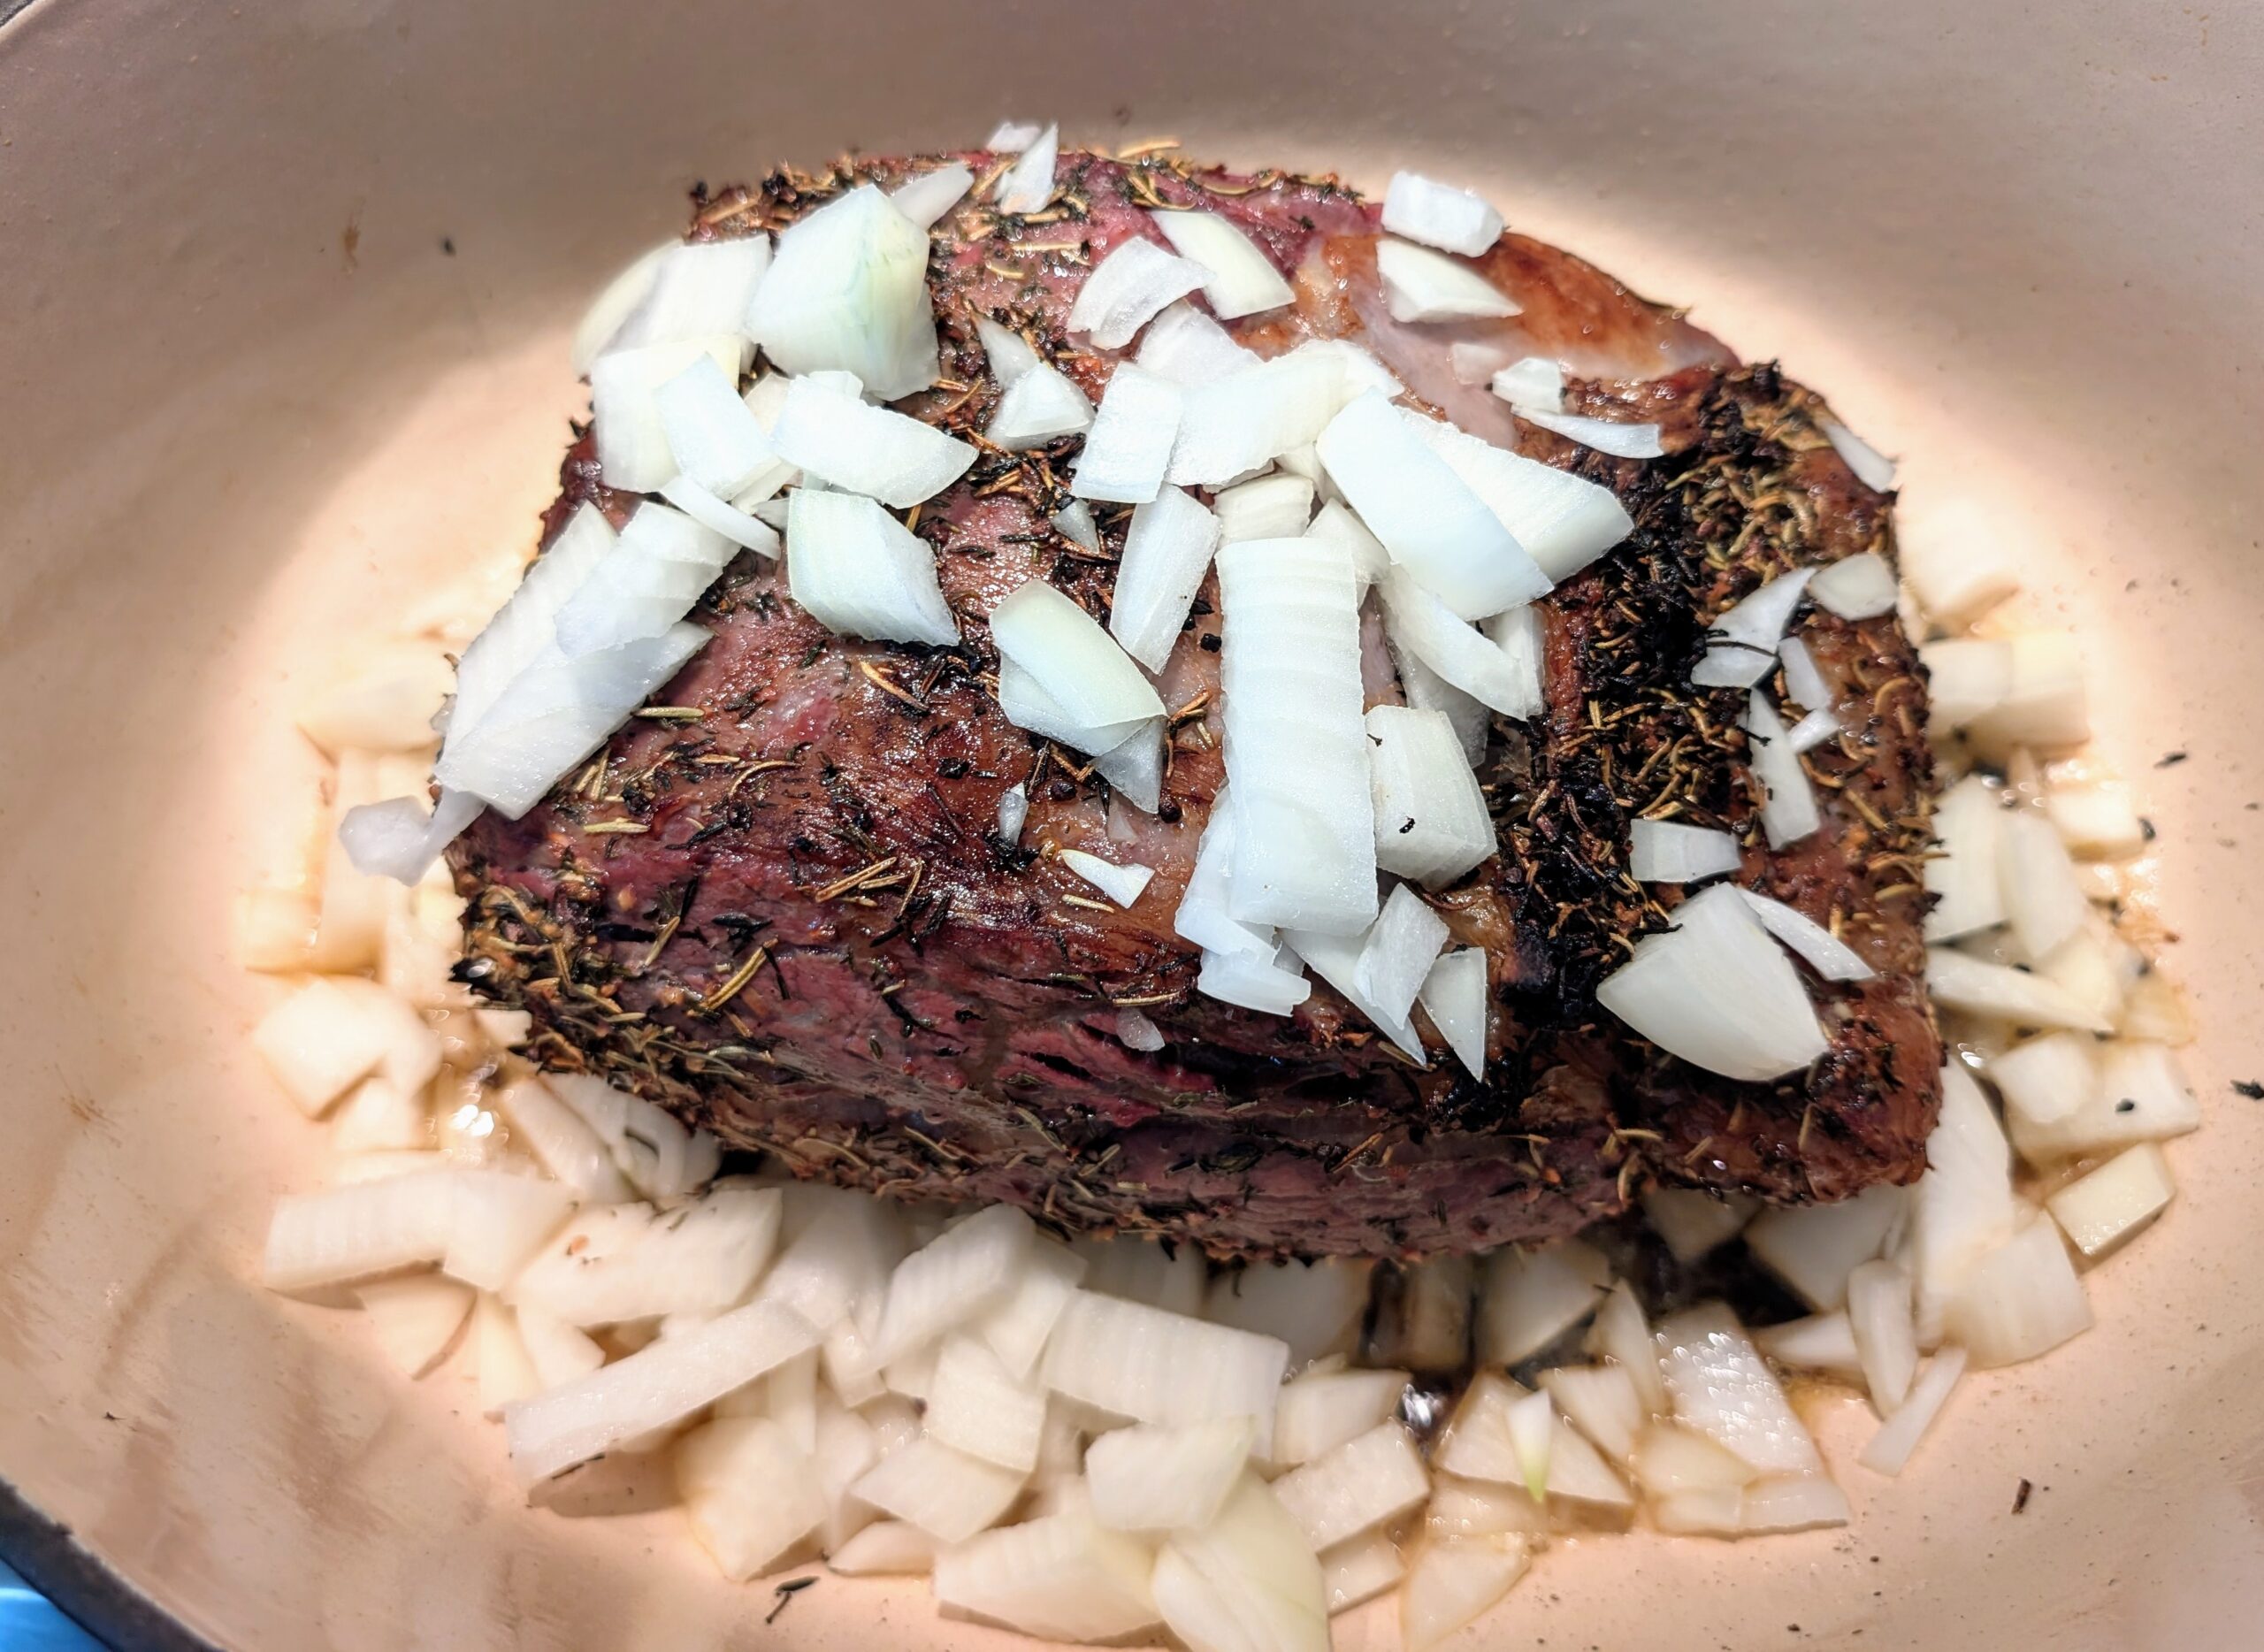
778 901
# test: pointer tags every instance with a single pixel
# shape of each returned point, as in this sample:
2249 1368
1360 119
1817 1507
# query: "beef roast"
777 901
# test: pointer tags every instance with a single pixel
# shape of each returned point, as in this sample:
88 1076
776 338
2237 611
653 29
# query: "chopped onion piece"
1602 1402
388 702
1452 1583
1039 407
719 516
947 1493
2046 1079
622 1262
925 200
1241 278
1889 1451
620 299
1156 1479
1139 1271
847 289
1439 215
1232 424
1963 1206
1127 288
1814 1248
1857 587
1013 809
885 1549
1477 363
558 1353
1315 1307
1716 991
1747 634
1668 851
399 838
2019 1301
2002 993
1074 521
860 572
1565 522
1529 1299
2044 902
1012 137
751 1491
1532 381
662 1157
1431 819
1427 690
1873 469
1722 1387
567 1147
1610 436
2100 1210
1671 1461
1187 347
976 1405
506 1371
1359 1571
1270 508
2099 821
1335 958
1821 950
1322 1410
1203 915
336 1030
1252 983
1159 1367
1076 664
1247 1582
1063 1576
2139 1096
658 568
2045 704
864 449
1304 849
1959 564
702 288
1356 1487
1419 623
1804 684
1028 183
1010 355
1621 1335
655 1387
1454 997
1432 522
1812 732
1695 1221
1398 952
415 1319
957 1278
1887 1343
1129 449
1791 813
1966 678
1121 883
632 442
1963 878
1166 552
1419 285
1017 1328
1823 1341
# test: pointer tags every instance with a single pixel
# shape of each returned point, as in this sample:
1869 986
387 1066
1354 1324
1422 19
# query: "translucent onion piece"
1432 824
925 200
860 572
1565 522
1857 587
1040 406
1610 436
1823 951
864 449
1189 347
1717 992
1439 215
1242 280
1668 851
1128 451
1127 288
1028 183
1454 996
1791 813
1166 552
1421 284
847 289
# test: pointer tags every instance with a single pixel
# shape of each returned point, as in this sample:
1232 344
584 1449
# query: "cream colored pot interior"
251 399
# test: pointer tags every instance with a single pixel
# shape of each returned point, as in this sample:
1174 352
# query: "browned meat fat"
813 941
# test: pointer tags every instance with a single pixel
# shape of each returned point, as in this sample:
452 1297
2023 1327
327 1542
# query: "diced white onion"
1062 1577
557 1353
1532 381
1127 288
2044 902
1564 521
1602 1402
622 1262
1529 1299
1432 522
1247 1582
1038 407
1156 1479
1359 1571
1963 1206
719 516
1439 215
1270 508
1398 952
1315 1307
1804 684
1012 137
620 298
1010 355
1454 997
925 200
1886 1343
1722 1388
1716 991
1013 809
1419 285
1129 449
1791 813
1431 820
1074 521
2100 1210
1187 347
1746 635
567 1147
1873 469
658 568
885 1549
399 838
1812 730
1028 183
2016 1302
1419 623
633 443
976 1405
1857 587
1964 878
1671 1461
750 1490
416 1319
859 571
2098 821
1304 851
1242 279
846 441
1016 1329
1078 667
506 1371
658 1385
1621 1335
1253 983
1609 436
1234 423
1821 950
387 702
1477 363
1322 1410
1814 1248
1356 1487
1427 690
1889 1448
1335 958
1166 552
2000 993
1959 564
1822 1342
847 289
1694 1222
1451 1584
336 1030
700 288
1670 852
1121 883
947 1493
2045 704
1966 678
1159 1367
662 1157
960 1275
